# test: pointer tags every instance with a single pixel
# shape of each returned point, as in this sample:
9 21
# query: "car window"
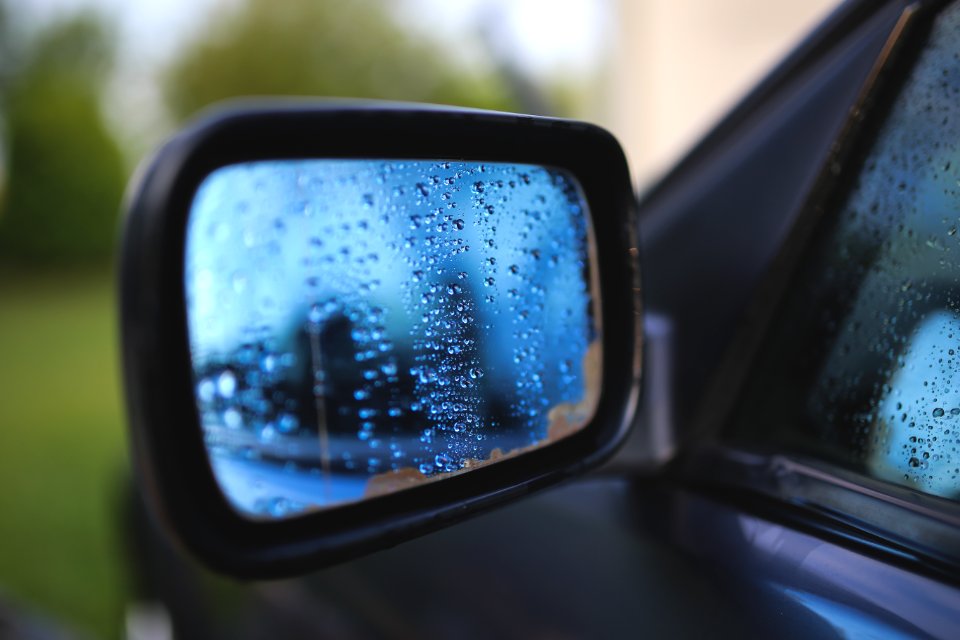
862 363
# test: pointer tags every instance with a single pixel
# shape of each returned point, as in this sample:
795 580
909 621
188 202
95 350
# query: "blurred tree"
322 48
6 47
6 65
65 173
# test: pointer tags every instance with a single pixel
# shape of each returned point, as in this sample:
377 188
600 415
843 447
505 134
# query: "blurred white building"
678 65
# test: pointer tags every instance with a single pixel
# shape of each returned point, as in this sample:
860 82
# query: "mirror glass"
359 327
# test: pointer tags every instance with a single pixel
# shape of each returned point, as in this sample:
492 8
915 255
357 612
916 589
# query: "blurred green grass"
62 449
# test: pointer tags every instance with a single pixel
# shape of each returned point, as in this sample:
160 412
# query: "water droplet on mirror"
232 419
227 384
288 423
206 390
268 364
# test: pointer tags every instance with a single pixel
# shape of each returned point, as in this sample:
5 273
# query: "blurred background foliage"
65 170
322 48
64 162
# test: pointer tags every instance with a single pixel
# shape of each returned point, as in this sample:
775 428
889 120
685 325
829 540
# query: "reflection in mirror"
363 326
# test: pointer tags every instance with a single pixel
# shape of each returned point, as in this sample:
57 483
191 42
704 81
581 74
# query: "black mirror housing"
166 434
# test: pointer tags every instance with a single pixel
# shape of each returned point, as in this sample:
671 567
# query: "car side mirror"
347 326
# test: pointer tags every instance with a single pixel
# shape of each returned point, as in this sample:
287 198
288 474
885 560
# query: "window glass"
861 364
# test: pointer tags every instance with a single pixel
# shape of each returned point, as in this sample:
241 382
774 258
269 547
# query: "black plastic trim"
893 523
